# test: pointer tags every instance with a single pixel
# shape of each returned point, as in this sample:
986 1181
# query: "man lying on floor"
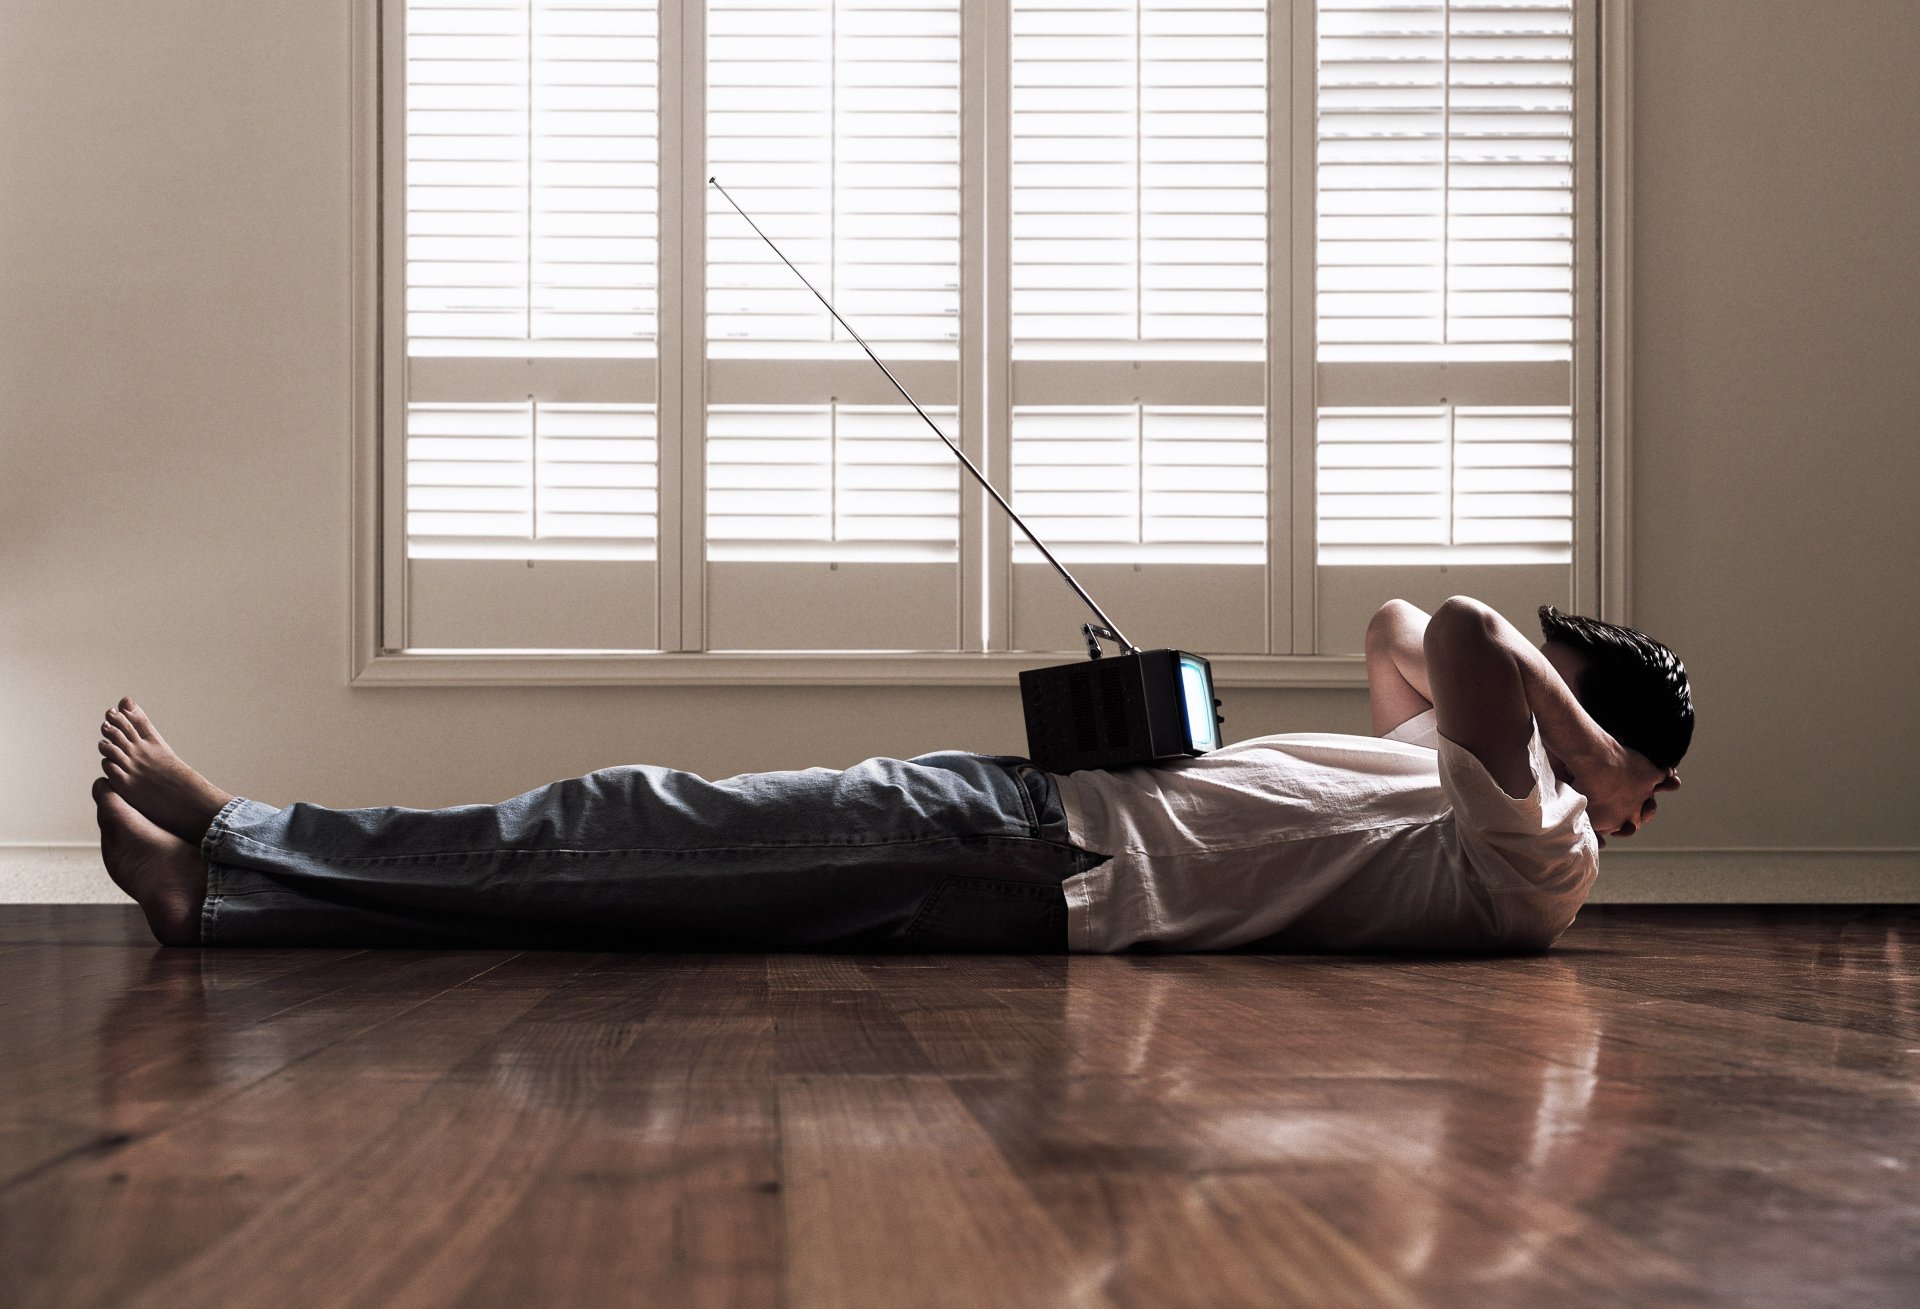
1471 823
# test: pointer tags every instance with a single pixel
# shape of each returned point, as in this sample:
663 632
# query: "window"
1261 311
1137 293
1445 452
832 514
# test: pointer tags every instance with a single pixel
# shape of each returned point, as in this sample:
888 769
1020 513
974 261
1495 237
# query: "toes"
109 750
99 789
117 736
138 717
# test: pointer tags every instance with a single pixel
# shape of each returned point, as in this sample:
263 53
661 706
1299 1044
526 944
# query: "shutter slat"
829 482
1397 485
1142 482
826 120
1138 137
545 481
1445 130
1139 215
1445 233
534 126
836 125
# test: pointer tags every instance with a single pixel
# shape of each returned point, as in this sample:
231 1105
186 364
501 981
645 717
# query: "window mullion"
394 608
1292 340
972 410
990 267
683 272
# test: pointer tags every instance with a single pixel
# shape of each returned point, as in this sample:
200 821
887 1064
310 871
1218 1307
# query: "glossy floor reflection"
1682 1106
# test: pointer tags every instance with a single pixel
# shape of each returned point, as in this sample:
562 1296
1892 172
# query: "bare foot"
165 874
148 775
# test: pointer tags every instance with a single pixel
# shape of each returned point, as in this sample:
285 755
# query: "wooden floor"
1685 1107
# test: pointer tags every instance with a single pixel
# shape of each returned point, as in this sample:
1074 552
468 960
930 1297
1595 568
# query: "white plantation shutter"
836 126
828 482
832 512
531 257
595 183
532 174
1446 180
1462 484
1122 483
1114 166
468 116
1445 452
1139 215
519 481
1139 177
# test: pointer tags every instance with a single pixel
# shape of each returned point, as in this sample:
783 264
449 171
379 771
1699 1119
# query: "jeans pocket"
991 916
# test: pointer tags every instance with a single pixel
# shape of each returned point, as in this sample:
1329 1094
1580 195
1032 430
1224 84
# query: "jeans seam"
926 907
210 906
649 850
1026 801
986 885
220 826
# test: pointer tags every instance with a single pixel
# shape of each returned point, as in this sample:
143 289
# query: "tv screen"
1197 684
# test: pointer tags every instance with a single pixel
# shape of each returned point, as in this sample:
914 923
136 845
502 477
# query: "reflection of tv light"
1133 708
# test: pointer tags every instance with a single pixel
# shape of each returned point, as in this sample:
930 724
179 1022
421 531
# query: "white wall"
174 412
1776 447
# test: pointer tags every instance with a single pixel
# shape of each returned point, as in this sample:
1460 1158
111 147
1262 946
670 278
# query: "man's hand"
1619 791
1491 688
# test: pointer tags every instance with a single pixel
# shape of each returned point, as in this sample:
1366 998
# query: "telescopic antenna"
1106 624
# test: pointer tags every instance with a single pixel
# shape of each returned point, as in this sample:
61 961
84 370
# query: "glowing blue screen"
1202 731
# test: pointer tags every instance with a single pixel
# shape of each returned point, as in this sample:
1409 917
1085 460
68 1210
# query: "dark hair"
1633 686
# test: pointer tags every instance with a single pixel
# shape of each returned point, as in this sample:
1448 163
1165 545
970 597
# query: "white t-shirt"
1327 842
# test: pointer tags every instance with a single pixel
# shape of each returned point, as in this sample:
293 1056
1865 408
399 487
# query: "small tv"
1134 708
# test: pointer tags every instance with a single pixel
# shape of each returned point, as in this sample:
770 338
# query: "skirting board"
1758 876
71 874
56 874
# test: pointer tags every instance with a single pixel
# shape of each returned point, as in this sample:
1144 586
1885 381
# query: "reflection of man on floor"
1471 822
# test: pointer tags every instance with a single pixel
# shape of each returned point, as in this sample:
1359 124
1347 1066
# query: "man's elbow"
1380 629
1388 624
1461 622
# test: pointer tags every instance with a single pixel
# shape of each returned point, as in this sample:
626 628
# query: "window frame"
1601 569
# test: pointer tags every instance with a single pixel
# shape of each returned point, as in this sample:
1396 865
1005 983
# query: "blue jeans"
944 852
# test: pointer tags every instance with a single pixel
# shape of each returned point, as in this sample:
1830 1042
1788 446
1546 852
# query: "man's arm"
1397 665
1490 686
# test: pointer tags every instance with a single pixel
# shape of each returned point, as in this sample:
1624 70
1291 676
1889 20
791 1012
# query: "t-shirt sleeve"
1535 853
1421 729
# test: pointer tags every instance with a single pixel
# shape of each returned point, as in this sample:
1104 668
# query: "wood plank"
442 1175
668 1190
1382 1161
1697 1107
156 1200
667 1193
156 1052
895 1198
